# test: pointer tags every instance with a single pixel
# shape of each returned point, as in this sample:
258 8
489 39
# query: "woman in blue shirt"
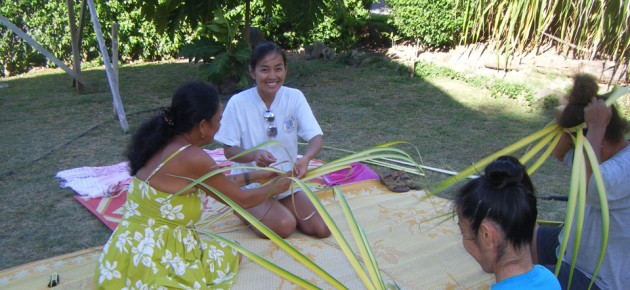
497 215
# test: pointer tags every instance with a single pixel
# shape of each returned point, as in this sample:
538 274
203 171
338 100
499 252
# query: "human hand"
300 167
596 114
264 175
282 183
263 158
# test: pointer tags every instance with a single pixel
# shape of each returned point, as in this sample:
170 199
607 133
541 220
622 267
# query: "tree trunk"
248 23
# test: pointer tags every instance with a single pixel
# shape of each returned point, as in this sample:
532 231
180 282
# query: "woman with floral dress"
156 246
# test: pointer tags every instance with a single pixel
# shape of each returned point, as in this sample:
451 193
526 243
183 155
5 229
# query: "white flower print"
145 189
172 212
123 239
176 262
131 209
108 271
190 242
209 263
144 252
195 286
139 285
223 276
216 255
179 266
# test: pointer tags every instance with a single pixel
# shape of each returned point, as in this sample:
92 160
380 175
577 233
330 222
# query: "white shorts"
287 193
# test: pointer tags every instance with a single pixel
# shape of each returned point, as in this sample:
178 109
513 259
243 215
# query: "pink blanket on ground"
105 181
103 190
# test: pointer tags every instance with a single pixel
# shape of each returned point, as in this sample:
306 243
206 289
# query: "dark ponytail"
191 103
504 194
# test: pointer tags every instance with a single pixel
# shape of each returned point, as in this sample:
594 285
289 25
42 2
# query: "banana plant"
583 152
367 271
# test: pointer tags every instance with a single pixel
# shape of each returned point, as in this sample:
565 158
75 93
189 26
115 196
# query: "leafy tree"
170 14
219 44
47 23
224 56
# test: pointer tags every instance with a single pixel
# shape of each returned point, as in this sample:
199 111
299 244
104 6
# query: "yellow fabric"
156 245
414 249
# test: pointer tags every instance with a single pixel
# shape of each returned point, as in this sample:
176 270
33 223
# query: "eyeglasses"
272 130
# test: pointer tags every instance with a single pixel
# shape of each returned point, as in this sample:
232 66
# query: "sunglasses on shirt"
272 129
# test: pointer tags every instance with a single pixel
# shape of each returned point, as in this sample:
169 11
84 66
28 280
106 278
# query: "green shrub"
341 30
16 55
225 57
498 88
47 23
338 28
432 23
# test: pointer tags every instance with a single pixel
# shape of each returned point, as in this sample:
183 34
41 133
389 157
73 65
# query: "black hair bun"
505 171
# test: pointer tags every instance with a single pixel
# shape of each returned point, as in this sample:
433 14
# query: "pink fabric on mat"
355 173
109 180
103 190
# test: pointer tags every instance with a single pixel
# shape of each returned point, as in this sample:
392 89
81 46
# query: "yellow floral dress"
155 246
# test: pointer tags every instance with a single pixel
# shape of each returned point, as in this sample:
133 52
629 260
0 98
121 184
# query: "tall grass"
584 28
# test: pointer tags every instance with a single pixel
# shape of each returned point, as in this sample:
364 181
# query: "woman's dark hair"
504 194
191 103
584 88
263 49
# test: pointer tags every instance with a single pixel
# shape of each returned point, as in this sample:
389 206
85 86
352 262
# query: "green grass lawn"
46 127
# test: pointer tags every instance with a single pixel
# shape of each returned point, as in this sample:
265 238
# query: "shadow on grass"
47 127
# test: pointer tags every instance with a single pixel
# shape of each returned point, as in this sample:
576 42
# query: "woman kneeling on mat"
497 215
155 245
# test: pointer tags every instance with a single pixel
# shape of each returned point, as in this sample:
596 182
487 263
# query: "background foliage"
220 42
47 22
582 28
433 24
338 28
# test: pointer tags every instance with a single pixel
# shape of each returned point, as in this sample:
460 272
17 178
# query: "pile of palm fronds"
367 271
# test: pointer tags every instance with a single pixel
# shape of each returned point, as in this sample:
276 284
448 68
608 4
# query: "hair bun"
584 88
506 170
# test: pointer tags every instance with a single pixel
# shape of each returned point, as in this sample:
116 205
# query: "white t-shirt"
244 125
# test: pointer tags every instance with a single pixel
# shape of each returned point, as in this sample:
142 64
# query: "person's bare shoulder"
196 161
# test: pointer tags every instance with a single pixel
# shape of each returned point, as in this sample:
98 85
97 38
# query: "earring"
202 136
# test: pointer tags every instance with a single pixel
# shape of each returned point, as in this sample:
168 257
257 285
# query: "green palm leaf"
574 188
274 237
603 205
361 240
540 145
262 261
371 277
534 166
448 182
334 229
